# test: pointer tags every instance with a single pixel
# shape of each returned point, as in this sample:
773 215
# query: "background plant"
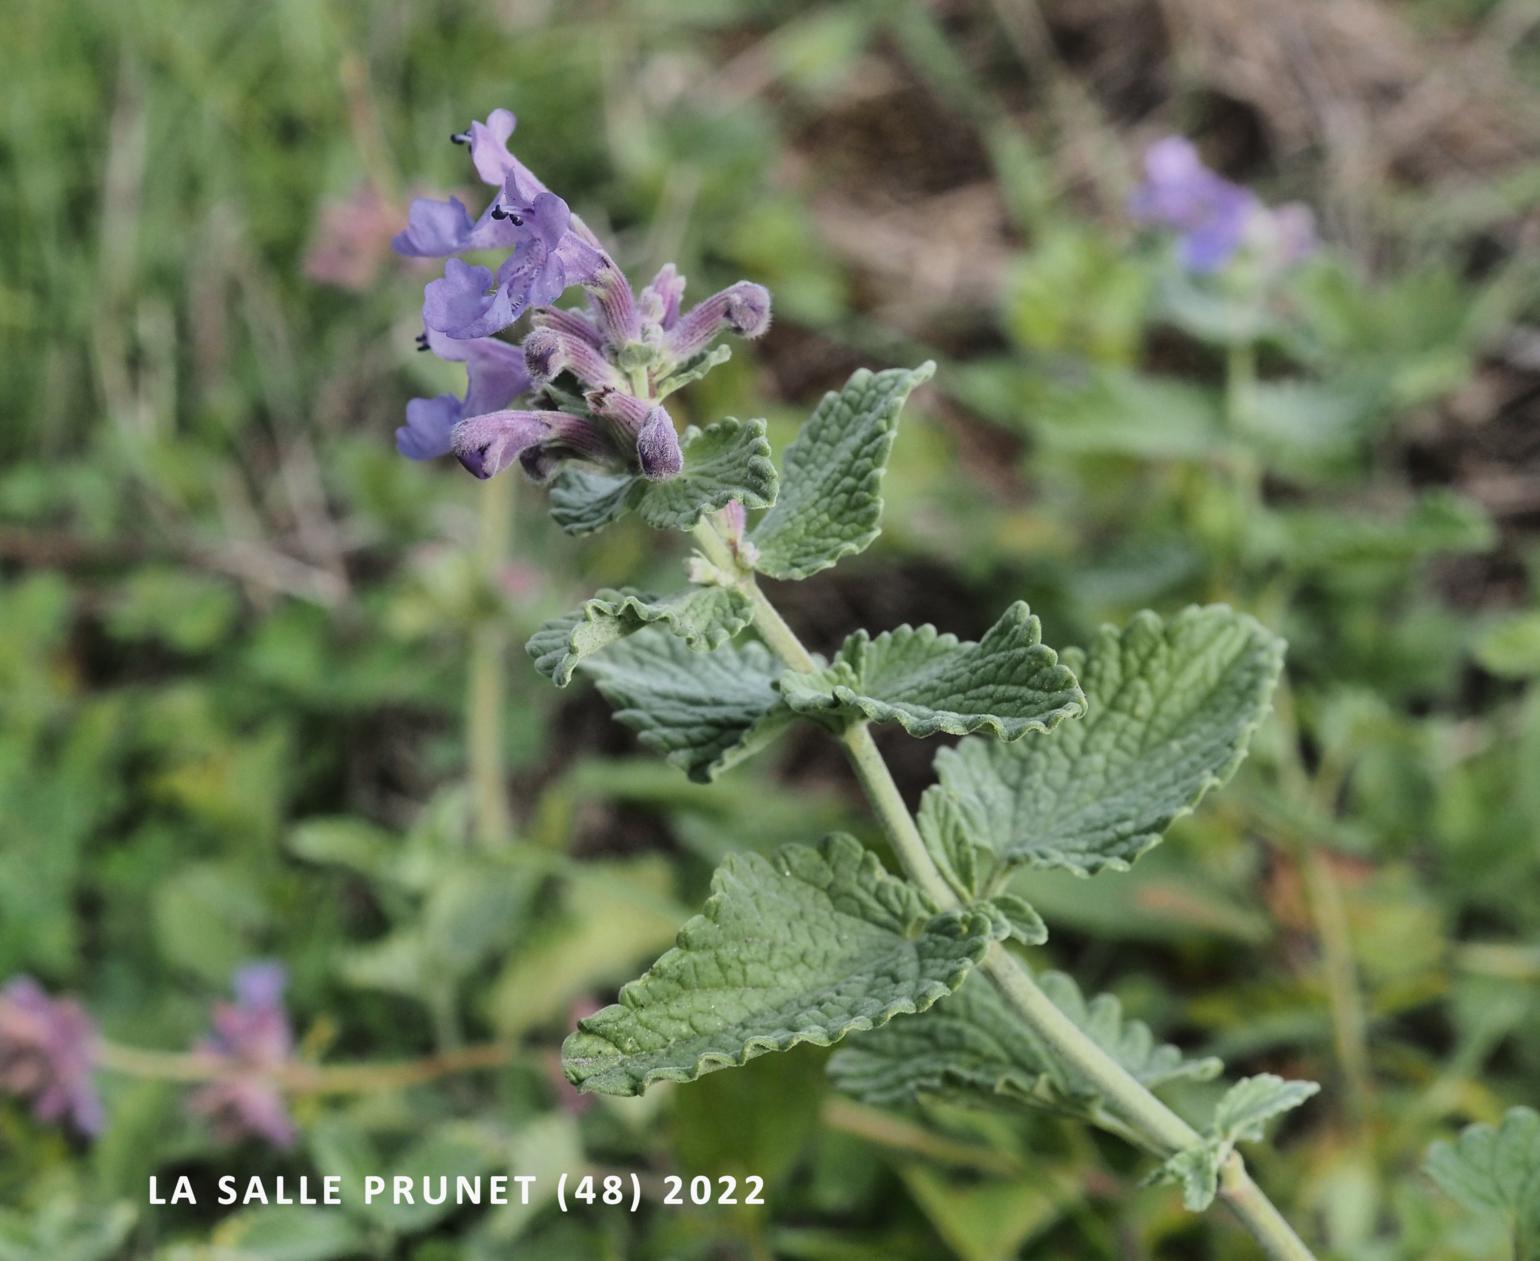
234 643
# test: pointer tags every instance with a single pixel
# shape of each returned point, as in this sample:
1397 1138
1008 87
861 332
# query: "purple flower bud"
250 1045
549 351
486 445
657 447
660 300
569 323
47 1053
1211 214
743 308
619 320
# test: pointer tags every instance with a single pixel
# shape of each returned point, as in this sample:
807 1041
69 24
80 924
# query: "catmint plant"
1074 761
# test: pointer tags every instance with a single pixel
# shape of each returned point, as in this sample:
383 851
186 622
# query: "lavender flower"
551 251
1213 217
495 376
622 354
250 1043
47 1053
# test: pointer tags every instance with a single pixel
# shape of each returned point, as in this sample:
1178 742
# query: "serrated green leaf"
703 712
808 946
831 504
973 1049
1495 1169
1171 710
1245 1109
1240 1116
728 460
1007 684
703 617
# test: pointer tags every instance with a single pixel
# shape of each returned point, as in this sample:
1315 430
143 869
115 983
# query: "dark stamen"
499 213
460 137
422 341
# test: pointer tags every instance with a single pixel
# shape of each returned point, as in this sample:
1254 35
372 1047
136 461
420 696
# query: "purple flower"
1210 213
1213 217
47 1054
250 1044
624 353
495 376
548 258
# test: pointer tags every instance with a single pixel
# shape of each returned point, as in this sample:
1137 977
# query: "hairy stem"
1156 1125
485 683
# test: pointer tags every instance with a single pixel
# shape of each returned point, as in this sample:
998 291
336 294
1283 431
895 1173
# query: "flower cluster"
624 352
250 1043
47 1054
1215 219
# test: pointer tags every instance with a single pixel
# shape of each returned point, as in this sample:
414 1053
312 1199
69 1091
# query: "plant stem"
485 682
1156 1125
300 1078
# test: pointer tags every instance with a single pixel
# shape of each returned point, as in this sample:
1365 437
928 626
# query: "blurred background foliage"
235 627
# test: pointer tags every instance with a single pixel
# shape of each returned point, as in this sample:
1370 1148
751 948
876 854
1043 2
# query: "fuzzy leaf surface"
1007 684
1495 1169
703 617
702 711
727 460
973 1049
831 501
1171 707
807 946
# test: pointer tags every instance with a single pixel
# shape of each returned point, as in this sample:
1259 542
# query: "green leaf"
728 460
583 502
1495 1169
704 617
1021 922
1240 1116
289 1233
1007 684
831 505
1171 710
1510 646
808 946
974 1049
704 712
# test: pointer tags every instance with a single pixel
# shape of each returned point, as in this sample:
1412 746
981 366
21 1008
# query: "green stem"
485 682
1159 1128
305 1079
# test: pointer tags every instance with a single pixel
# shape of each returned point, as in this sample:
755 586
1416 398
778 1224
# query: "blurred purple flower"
47 1053
250 1043
1179 192
1213 217
495 376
